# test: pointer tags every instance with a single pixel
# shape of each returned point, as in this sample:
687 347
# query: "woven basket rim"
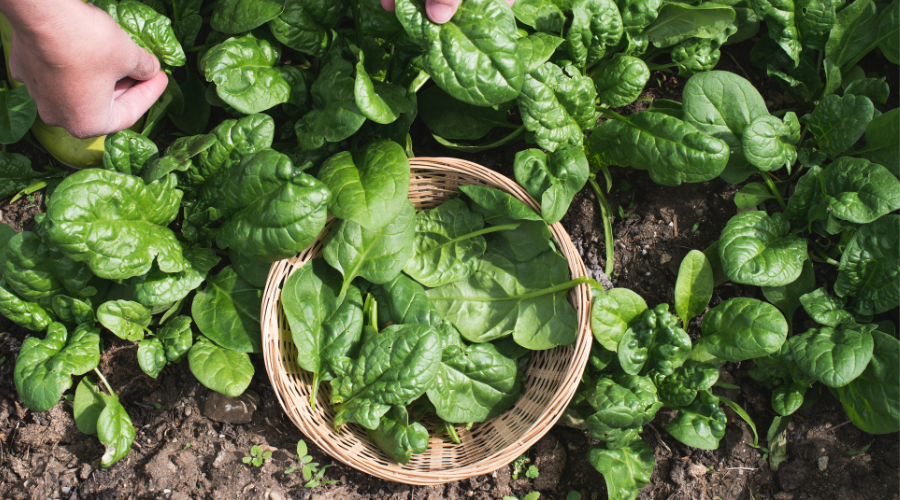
314 425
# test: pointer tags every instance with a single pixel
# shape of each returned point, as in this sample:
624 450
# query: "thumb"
441 11
134 102
142 65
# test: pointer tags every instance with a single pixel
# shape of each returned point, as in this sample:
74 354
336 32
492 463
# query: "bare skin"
83 71
439 11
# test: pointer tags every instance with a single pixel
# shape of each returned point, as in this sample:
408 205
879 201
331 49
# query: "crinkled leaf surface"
621 81
151 356
542 15
398 437
788 398
474 384
403 301
176 338
44 367
678 22
696 55
29 270
855 29
872 400
612 313
116 223
757 249
825 308
245 74
870 267
553 178
127 319
700 424
834 356
536 49
499 202
15 173
394 367
222 370
128 152
694 286
838 122
335 115
680 388
25 314
17 113
157 288
306 25
178 156
742 328
788 297
595 29
227 312
234 140
769 143
654 343
148 28
237 16
379 101
556 106
71 310
626 470
857 190
620 402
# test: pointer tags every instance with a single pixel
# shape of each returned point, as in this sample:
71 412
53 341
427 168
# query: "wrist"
38 17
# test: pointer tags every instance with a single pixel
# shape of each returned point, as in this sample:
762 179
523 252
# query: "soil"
181 454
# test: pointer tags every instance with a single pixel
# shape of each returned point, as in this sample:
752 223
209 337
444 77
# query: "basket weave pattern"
553 375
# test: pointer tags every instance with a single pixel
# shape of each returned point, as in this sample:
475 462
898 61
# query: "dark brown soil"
180 454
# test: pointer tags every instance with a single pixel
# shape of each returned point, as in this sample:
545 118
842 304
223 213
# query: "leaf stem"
452 432
473 234
774 191
315 392
822 255
606 213
105 382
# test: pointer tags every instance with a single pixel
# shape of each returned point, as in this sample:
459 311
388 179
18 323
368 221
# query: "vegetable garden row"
433 316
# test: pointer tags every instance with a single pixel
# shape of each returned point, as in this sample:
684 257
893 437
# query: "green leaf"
18 113
252 271
403 301
542 15
625 470
454 119
701 424
856 190
369 186
872 400
237 16
151 356
29 270
149 29
553 178
838 122
621 403
681 387
673 151
393 368
227 312
855 29
888 38
157 288
769 143
245 73
596 28
696 55
306 26
757 249
273 210
815 20
127 319
474 57
23 313
870 267
221 370
834 355
15 173
788 398
536 49
694 286
116 223
746 23
398 437
499 202
379 101
824 308
678 22
115 431
742 328
176 338
197 109
376 255
44 368
752 195
128 152
324 325
654 344
6 234
789 297
492 302
876 89
335 115
556 106
722 105
234 140
89 402
71 310
474 384
780 18
612 313
621 81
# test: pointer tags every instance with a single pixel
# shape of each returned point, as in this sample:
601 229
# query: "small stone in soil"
696 470
222 408
823 462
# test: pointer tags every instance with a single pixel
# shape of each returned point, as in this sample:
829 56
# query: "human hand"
83 71
439 11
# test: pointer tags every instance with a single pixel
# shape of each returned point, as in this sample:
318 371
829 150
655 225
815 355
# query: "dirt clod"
550 459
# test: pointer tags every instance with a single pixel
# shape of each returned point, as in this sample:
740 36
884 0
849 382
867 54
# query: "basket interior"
552 375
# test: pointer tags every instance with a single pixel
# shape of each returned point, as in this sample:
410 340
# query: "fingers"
388 5
510 2
441 11
141 65
135 101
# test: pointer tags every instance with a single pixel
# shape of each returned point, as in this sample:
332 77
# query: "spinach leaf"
245 74
870 267
769 143
273 209
148 28
694 286
824 308
397 437
6 234
499 202
394 367
186 21
553 178
324 325
888 38
237 16
87 405
115 431
227 312
612 313
157 288
128 320
335 115
15 173
151 356
621 81
252 271
855 28
44 368
536 49
626 470
17 113
789 297
234 140
474 384
454 119
474 57
128 152
178 157
72 311
369 186
542 15
681 387
596 28
556 106
673 151
379 101
752 195
376 255
23 313
757 249
176 338
306 26
492 302
403 301
637 15
872 399
856 190
700 424
834 355
788 398
195 116
654 344
876 89
447 242
29 270
781 20
116 223
620 402
696 55
677 22
722 105
524 243
742 328
838 122
222 370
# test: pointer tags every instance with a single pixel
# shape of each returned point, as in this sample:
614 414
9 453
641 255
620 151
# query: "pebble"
823 462
274 495
343 479
65 490
188 411
644 252
783 495
665 258
222 408
696 470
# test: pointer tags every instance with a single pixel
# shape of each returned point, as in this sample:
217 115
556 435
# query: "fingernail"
439 13
388 5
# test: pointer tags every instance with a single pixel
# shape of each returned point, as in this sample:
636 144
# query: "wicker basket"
553 374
